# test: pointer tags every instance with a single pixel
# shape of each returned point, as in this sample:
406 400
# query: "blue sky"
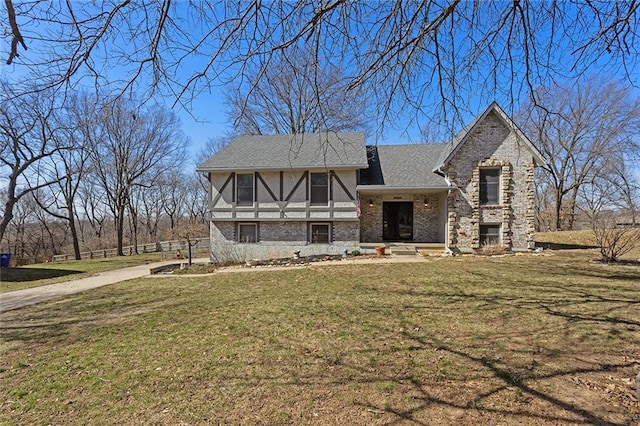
210 112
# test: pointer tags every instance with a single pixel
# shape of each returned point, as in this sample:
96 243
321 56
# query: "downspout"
446 210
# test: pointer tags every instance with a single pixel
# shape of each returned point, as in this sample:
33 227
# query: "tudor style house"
326 193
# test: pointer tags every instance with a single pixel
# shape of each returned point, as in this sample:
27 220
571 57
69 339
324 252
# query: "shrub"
492 249
613 240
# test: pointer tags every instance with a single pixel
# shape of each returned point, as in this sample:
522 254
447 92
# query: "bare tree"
197 198
192 233
174 196
131 147
68 168
583 131
405 55
52 232
615 189
212 146
297 94
151 212
27 142
94 208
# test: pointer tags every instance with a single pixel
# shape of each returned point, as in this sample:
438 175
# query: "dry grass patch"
470 340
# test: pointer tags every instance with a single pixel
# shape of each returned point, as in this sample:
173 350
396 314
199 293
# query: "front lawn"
49 273
551 339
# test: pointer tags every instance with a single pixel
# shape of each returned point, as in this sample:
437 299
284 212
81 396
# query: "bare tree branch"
405 56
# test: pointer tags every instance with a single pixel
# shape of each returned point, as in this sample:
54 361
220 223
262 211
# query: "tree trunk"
8 216
558 208
120 230
74 231
135 234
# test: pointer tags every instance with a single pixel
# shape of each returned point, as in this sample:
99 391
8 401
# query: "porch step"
430 249
403 250
408 249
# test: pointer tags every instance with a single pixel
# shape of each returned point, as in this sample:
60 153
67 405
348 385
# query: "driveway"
30 296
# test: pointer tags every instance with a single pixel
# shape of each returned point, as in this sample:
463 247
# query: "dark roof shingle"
404 166
304 151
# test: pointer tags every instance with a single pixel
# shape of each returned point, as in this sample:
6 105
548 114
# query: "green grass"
49 273
550 339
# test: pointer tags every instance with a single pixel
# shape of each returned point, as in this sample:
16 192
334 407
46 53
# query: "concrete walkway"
30 296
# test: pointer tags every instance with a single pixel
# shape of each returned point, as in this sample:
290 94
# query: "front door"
397 221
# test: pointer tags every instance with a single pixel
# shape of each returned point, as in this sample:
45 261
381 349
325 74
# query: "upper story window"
319 189
245 189
490 186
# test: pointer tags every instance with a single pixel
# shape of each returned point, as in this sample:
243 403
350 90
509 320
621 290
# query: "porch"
413 219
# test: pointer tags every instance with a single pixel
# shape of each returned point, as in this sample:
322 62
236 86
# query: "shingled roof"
403 167
281 152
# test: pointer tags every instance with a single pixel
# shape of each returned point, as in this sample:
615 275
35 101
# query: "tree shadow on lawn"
572 304
564 246
454 393
562 300
54 321
33 274
511 378
425 394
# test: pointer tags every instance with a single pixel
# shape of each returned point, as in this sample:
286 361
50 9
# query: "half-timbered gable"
286 193
283 195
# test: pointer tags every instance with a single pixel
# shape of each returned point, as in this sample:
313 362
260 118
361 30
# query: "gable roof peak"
468 130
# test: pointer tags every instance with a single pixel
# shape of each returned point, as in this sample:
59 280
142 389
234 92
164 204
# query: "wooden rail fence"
163 246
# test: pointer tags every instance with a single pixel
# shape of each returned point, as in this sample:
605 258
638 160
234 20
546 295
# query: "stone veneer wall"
279 239
492 214
492 144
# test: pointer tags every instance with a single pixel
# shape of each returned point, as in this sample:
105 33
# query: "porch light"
370 202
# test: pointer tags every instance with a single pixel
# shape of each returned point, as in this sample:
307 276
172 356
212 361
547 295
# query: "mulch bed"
301 261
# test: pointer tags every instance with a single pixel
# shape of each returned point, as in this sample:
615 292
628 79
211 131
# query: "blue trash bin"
4 259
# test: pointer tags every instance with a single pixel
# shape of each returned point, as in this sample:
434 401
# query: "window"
247 233
319 189
245 189
489 186
319 233
489 235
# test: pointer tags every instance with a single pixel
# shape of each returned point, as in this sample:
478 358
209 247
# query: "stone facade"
493 144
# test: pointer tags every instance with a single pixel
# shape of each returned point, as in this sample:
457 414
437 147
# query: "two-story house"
326 193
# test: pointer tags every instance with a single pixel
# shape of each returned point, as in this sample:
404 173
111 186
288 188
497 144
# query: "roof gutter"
279 168
384 188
